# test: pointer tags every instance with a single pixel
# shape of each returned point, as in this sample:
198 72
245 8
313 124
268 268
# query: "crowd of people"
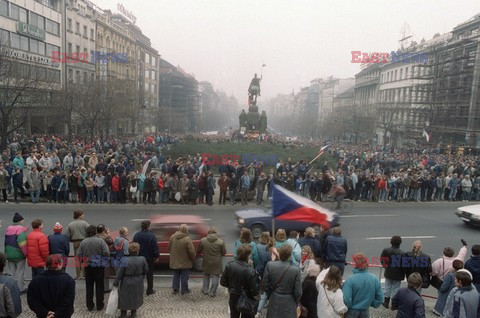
134 170
280 276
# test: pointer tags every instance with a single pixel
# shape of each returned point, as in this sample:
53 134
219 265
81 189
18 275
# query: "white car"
469 214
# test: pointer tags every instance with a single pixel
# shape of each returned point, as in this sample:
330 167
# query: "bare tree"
88 110
386 120
20 85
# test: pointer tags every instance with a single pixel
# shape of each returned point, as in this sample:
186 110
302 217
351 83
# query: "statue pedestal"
253 122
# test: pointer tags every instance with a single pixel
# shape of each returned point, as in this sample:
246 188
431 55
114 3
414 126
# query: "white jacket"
336 300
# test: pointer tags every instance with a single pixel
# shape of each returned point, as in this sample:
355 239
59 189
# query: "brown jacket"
213 249
182 251
223 184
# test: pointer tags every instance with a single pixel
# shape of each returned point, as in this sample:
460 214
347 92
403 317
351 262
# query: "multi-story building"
79 41
179 99
119 78
147 79
29 31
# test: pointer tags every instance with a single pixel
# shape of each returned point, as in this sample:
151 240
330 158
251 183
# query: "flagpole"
273 230
318 156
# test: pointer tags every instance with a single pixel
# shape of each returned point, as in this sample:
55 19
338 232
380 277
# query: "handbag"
246 305
133 189
326 295
435 281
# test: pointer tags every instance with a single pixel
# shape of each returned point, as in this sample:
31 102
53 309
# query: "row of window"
20 14
395 75
33 71
78 78
406 95
77 29
20 42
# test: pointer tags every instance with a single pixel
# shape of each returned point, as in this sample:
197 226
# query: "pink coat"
443 265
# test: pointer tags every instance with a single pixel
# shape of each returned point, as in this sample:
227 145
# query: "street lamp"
170 111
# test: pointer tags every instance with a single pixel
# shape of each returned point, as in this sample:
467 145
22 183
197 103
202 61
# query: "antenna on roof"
405 36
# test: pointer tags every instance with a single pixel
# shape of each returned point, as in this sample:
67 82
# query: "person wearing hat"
59 244
16 250
462 302
362 289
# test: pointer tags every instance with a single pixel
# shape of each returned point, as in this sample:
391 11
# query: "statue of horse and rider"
254 90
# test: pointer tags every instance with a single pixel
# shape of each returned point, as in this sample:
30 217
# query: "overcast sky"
226 41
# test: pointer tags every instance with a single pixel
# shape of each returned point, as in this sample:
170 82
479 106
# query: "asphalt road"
367 228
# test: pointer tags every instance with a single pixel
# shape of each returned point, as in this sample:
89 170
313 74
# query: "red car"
163 226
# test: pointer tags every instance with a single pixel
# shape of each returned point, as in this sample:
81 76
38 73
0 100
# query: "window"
4 8
70 75
37 20
77 76
85 77
395 75
41 47
406 72
23 43
69 48
4 38
33 46
92 34
77 49
154 75
53 75
401 73
53 27
85 31
77 28
69 25
23 15
154 61
51 48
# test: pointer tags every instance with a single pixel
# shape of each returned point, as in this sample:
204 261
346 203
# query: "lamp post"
170 111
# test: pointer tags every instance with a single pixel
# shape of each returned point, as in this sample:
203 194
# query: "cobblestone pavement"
163 304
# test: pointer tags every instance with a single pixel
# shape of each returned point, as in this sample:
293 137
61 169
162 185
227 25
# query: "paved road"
367 228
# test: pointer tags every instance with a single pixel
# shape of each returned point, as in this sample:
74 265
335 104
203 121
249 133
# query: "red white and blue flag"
322 150
291 206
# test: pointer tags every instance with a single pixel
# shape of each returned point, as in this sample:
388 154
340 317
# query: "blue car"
259 220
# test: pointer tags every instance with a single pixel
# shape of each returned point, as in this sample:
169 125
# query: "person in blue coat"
310 240
149 250
362 290
408 301
473 266
59 244
336 249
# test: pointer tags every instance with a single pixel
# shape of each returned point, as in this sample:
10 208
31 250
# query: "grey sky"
226 41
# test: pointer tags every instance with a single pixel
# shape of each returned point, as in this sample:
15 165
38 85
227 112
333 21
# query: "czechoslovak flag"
291 206
324 148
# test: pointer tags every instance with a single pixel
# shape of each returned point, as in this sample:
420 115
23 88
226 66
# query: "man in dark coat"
408 301
11 284
473 266
149 250
336 249
310 240
52 292
394 273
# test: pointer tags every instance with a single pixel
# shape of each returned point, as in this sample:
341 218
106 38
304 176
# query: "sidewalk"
195 305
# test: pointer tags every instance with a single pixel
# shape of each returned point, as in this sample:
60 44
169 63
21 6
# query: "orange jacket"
37 245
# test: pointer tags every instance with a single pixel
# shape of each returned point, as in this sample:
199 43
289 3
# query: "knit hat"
57 228
360 261
466 271
17 218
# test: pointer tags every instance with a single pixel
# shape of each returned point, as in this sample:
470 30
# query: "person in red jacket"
115 187
37 246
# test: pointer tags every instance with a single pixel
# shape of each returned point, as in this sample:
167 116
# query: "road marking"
208 220
138 220
365 215
403 237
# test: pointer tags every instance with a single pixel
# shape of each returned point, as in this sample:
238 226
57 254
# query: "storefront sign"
126 13
33 58
30 30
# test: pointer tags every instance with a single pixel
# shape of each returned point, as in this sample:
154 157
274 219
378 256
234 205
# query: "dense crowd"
280 276
135 170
